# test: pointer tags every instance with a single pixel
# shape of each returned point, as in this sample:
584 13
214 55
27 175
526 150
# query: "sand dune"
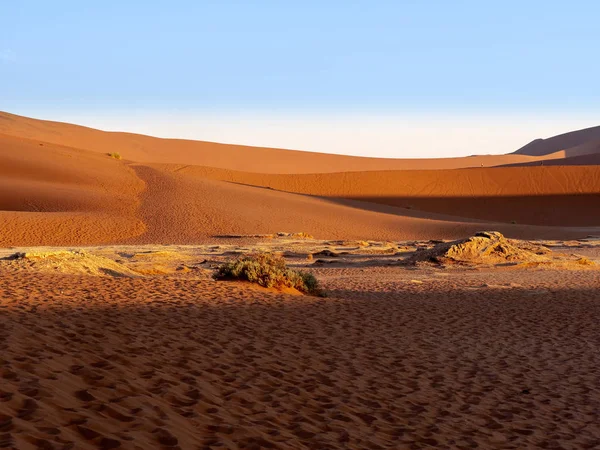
587 159
56 195
235 157
572 144
52 194
200 208
58 186
559 196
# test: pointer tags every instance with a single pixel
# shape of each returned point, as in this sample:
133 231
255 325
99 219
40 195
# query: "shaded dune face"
58 186
584 159
556 196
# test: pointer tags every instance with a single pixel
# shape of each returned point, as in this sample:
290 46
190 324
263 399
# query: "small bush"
310 282
114 155
269 271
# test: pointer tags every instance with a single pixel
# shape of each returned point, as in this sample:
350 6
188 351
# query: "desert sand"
154 353
114 333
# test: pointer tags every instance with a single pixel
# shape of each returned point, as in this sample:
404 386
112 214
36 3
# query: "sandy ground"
395 357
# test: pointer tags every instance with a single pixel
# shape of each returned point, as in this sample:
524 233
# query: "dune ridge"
149 149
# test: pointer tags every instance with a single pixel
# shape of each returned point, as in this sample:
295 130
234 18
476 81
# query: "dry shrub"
269 270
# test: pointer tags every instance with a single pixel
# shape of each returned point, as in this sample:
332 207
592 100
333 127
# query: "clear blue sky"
67 59
308 55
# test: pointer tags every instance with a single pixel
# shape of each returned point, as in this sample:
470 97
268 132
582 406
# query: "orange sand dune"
51 194
558 196
148 149
181 208
56 195
62 194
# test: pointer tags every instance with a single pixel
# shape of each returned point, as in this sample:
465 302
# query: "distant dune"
575 143
58 186
590 159
148 149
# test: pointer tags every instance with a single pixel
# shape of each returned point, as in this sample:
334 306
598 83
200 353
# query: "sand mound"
484 247
71 262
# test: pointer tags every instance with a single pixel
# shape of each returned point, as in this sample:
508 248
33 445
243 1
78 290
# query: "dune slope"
51 194
557 196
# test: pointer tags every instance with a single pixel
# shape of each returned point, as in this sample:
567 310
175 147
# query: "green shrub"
269 271
114 155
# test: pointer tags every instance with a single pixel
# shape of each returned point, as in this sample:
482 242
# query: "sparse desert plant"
269 270
114 155
311 283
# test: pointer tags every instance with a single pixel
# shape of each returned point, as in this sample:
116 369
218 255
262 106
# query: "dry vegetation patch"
270 271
